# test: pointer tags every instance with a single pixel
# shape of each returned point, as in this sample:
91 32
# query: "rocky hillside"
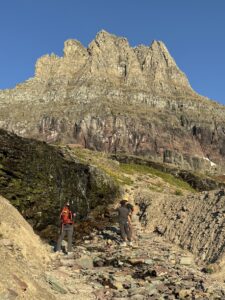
169 205
169 213
99 268
194 221
23 258
115 98
38 179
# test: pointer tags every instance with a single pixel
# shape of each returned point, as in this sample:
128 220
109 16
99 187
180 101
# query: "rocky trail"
167 213
101 269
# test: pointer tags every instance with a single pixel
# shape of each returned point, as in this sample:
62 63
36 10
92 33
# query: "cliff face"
115 98
38 179
110 59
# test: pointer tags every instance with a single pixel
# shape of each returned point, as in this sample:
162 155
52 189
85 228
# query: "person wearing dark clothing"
131 210
130 207
125 222
66 218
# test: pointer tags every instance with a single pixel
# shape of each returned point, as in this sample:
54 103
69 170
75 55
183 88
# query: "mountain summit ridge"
115 98
112 59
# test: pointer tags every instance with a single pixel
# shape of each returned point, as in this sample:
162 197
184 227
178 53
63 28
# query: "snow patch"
212 164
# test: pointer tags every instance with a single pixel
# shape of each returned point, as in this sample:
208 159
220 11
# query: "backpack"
130 207
66 216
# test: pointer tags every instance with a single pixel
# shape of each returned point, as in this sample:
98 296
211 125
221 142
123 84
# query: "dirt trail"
99 268
152 269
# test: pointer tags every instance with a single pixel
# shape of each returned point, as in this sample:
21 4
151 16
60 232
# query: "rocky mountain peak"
74 49
159 50
103 36
158 46
114 97
112 59
160 68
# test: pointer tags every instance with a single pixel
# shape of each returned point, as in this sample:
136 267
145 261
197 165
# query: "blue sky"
193 31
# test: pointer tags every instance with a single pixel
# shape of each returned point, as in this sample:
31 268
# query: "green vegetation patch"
146 170
101 161
119 171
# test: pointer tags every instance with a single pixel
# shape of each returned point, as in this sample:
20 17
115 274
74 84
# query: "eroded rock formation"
196 222
116 98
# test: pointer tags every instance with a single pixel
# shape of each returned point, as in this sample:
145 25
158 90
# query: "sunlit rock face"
193 221
116 98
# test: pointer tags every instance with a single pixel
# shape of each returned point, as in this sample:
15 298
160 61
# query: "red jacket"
66 216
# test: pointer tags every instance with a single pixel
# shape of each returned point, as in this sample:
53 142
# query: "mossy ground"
130 173
39 178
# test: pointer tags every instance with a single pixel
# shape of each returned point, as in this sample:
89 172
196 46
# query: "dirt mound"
23 257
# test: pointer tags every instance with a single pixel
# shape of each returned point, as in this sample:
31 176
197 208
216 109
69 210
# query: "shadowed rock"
38 179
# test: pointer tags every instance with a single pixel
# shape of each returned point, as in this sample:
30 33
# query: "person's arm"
116 206
129 219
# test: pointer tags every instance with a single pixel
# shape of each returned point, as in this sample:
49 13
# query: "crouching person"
66 218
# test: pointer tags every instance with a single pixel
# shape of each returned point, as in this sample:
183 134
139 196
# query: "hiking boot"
123 244
70 254
60 252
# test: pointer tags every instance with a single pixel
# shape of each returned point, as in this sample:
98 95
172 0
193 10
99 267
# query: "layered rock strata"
115 98
196 222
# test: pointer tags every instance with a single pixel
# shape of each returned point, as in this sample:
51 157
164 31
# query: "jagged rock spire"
112 59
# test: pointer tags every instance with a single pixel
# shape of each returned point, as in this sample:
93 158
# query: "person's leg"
61 237
70 238
128 231
122 232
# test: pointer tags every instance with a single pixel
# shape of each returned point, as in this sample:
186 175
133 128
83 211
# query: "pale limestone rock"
47 66
24 258
116 98
113 59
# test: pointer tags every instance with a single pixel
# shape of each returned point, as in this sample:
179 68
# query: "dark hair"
123 202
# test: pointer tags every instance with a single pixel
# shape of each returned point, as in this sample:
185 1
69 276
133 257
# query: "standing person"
125 223
130 207
66 218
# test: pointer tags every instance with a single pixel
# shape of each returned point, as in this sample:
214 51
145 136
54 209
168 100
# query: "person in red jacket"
66 218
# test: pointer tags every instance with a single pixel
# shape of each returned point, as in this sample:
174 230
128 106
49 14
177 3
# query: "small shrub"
208 270
178 193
